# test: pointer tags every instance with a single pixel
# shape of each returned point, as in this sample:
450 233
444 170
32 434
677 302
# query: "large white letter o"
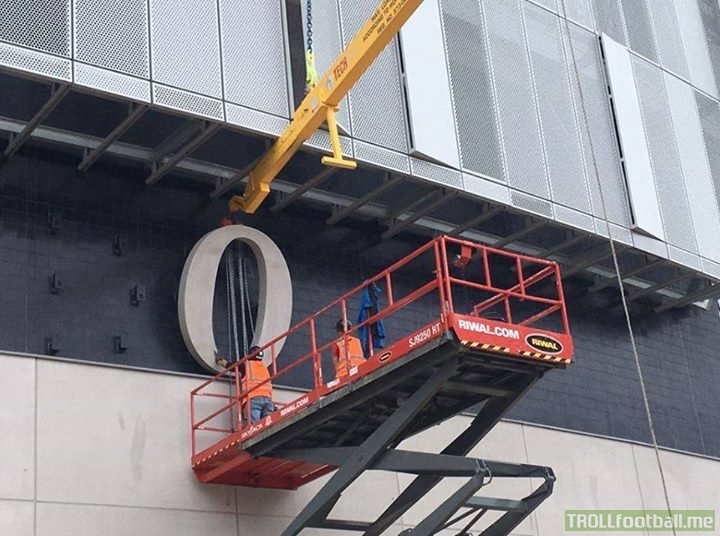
197 291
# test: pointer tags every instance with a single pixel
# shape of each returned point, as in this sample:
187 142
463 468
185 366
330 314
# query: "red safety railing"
447 284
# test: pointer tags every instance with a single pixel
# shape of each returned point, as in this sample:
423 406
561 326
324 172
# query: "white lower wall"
89 450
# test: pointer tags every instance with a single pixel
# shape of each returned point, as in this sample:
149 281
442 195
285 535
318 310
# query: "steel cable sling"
616 263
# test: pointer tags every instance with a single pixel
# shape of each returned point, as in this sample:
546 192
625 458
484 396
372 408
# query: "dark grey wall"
599 393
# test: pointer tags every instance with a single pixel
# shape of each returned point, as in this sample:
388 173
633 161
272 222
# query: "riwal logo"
487 329
304 401
544 343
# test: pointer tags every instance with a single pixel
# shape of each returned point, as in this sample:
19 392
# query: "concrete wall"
92 450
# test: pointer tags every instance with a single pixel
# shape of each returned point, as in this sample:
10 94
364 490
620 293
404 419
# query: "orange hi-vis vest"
355 355
257 373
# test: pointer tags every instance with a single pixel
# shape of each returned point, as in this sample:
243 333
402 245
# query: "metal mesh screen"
560 132
710 11
471 85
377 108
639 27
695 166
255 120
40 24
186 45
550 4
381 157
672 55
592 78
435 173
516 100
188 102
709 112
113 34
328 42
664 157
695 45
111 82
253 49
533 204
579 11
609 19
35 62
574 218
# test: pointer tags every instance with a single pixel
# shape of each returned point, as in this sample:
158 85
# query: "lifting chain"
311 76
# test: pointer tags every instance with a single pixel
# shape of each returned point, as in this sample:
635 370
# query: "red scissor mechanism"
467 326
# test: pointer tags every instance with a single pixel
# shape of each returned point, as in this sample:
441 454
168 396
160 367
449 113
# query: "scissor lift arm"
321 103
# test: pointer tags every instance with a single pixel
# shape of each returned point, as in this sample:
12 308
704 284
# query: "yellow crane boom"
322 102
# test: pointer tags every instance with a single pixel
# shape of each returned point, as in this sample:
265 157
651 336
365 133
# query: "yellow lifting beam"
322 102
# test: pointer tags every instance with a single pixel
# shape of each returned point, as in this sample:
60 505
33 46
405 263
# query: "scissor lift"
495 323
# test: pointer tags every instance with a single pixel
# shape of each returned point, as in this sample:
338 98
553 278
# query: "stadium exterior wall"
90 449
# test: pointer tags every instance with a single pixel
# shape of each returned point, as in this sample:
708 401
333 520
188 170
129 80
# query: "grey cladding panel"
516 99
672 55
40 24
186 45
328 43
253 51
664 156
599 117
609 19
560 133
709 112
377 108
696 48
710 11
579 11
472 91
639 27
698 180
113 34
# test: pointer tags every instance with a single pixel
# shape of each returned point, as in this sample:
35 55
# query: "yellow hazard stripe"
482 346
502 349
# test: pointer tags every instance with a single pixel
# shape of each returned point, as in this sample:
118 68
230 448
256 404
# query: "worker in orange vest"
254 374
347 352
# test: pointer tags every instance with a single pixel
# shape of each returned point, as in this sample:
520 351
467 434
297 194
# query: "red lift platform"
468 327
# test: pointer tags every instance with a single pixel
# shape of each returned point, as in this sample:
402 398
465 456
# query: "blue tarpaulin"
369 307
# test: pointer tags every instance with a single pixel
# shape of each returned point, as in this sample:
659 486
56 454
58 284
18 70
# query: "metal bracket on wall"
51 346
137 295
56 284
119 245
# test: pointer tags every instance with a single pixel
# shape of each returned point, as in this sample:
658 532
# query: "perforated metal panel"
435 173
471 85
619 234
592 78
532 204
664 156
40 24
381 157
672 55
710 12
574 218
609 19
328 44
253 50
35 62
711 268
559 129
695 166
113 34
516 100
709 112
549 4
486 189
321 140
639 28
188 102
377 108
254 120
695 45
112 82
684 257
579 11
186 45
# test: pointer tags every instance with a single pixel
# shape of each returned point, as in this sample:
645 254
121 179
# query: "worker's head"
343 326
253 350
